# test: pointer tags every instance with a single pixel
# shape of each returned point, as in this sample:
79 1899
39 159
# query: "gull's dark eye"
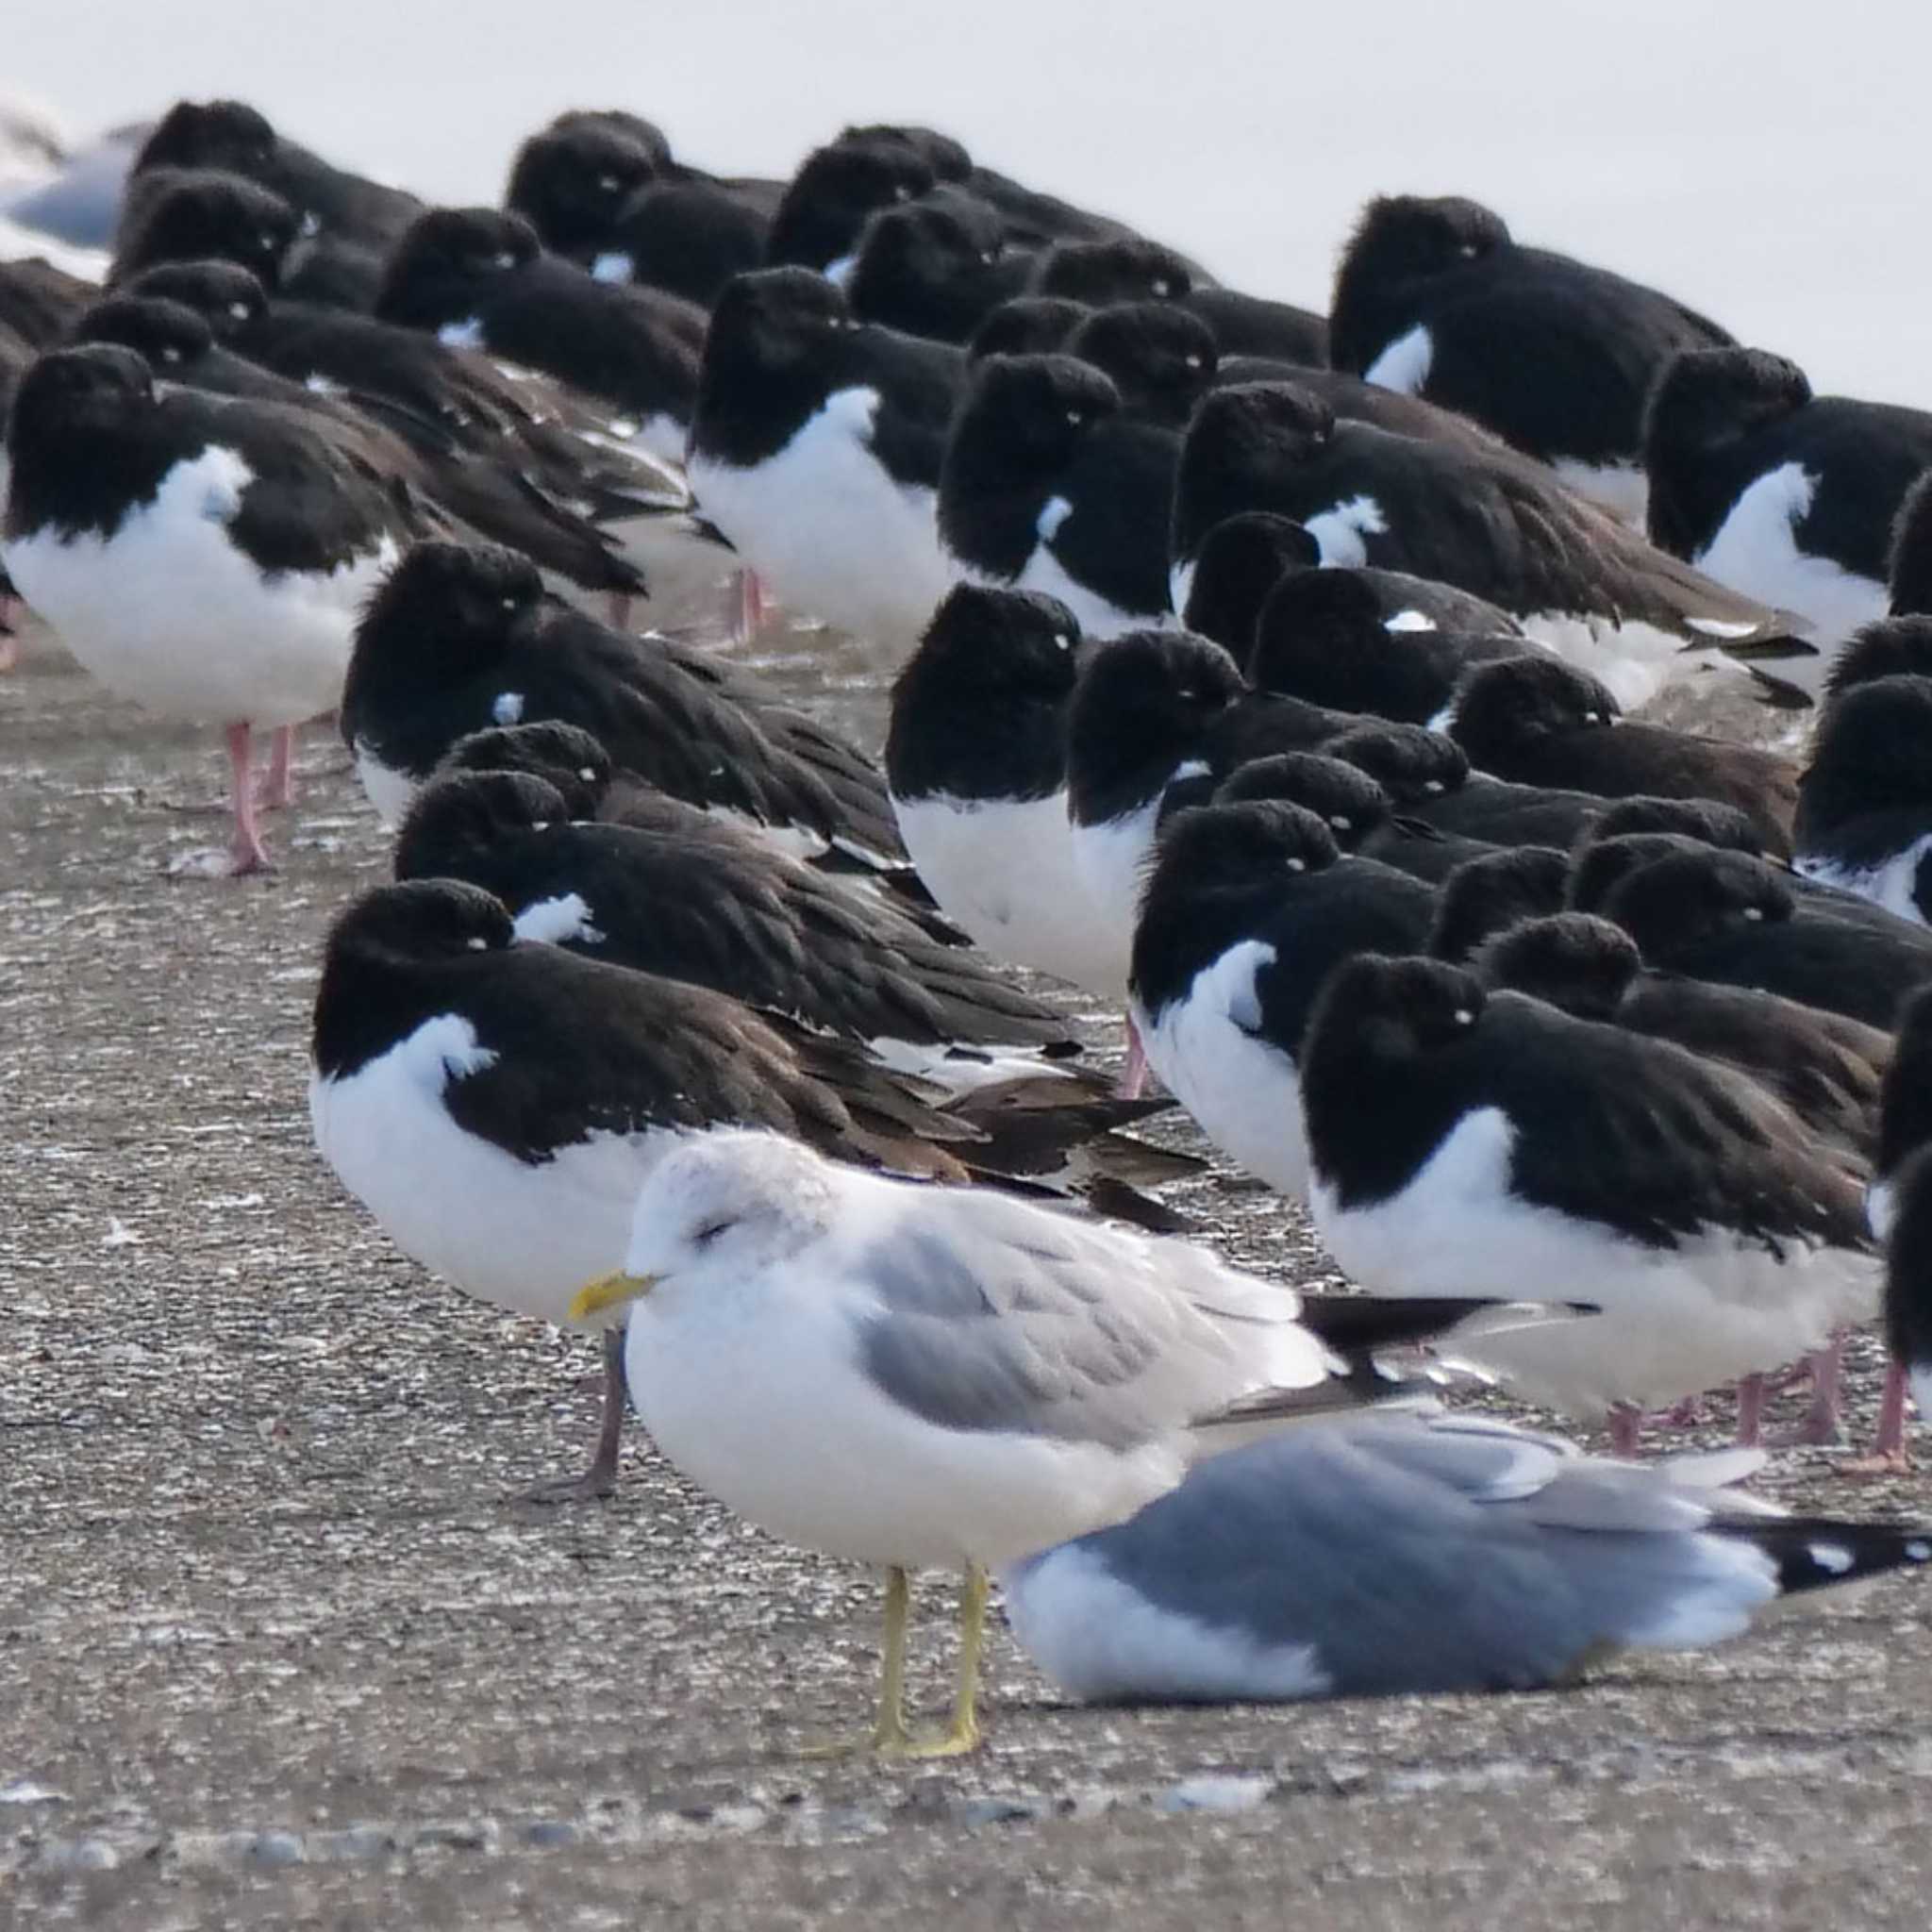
708 1233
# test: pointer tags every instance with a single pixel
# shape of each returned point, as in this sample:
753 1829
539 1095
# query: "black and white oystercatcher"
207 558
1438 299
1784 495
462 637
1459 1136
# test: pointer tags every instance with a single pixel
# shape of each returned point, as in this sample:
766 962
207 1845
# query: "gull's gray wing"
992 1315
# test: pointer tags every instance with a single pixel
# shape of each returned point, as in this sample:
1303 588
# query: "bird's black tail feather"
1820 1551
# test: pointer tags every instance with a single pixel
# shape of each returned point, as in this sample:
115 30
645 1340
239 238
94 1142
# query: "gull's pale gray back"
993 1315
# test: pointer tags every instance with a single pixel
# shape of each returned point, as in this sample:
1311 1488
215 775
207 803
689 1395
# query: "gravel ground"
276 1649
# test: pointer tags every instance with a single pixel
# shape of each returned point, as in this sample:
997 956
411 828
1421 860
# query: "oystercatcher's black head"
1236 847
1484 896
1507 706
209 134
825 207
1706 396
1028 325
443 259
449 604
228 296
565 755
1569 959
196 215
569 181
1126 268
170 337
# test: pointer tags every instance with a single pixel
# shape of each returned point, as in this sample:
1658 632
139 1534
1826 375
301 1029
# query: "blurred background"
1763 161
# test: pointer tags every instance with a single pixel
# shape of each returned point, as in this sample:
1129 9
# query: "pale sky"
1763 160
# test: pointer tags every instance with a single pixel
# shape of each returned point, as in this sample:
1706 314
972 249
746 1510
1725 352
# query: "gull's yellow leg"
962 1734
888 1735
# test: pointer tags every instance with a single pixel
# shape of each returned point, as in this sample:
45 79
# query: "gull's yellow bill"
609 1292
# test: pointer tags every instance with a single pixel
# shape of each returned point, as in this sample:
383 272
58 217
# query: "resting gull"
1384 1554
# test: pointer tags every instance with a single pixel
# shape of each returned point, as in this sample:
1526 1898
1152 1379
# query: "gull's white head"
726 1203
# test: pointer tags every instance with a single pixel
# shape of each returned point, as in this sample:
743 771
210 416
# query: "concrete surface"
275 1651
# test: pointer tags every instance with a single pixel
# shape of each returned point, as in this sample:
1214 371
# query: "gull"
923 1376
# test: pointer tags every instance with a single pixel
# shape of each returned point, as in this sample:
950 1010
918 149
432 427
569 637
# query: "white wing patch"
558 921
853 409
220 476
1404 365
1053 512
441 1050
1340 531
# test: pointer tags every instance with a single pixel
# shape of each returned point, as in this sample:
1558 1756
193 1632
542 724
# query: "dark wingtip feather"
1820 1552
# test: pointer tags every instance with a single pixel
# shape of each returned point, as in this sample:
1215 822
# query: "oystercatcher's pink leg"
276 791
1890 1455
1626 1425
751 606
1827 1375
1134 1074
245 848
1750 1411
